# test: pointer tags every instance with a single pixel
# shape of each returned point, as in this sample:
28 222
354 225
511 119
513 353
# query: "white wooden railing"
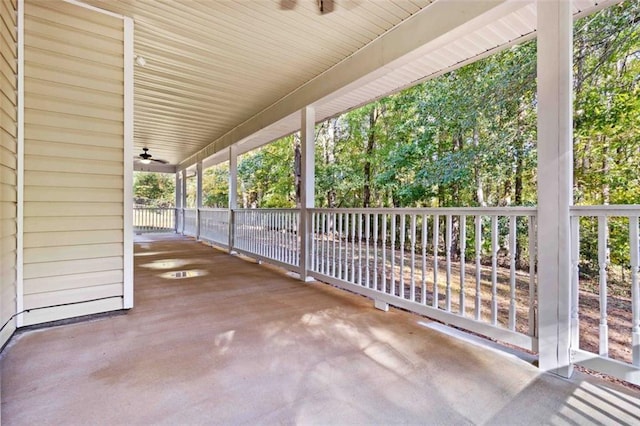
214 226
190 226
592 229
268 234
154 219
442 263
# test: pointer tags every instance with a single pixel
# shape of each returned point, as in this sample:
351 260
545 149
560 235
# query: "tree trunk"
477 172
371 144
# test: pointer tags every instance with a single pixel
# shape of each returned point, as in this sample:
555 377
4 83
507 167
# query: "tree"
153 189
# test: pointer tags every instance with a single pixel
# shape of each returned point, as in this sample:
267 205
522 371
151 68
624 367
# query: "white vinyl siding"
74 150
8 166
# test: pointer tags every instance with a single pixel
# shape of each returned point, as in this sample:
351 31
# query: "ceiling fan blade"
160 161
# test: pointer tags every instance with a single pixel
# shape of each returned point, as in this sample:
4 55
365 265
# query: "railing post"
307 187
555 183
233 192
183 199
198 197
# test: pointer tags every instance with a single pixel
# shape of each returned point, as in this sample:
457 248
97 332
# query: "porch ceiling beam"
154 167
434 21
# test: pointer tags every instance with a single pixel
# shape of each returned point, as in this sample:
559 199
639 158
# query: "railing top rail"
214 209
152 208
489 211
624 210
189 209
266 210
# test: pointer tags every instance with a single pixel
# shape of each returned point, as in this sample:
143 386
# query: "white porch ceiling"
219 72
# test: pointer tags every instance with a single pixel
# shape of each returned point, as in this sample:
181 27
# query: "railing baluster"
320 241
353 247
423 289
367 232
494 269
436 237
347 218
478 248
340 219
384 252
463 249
375 251
575 282
635 290
403 233
533 328
449 225
392 284
333 242
314 242
603 263
323 243
412 288
512 272
360 216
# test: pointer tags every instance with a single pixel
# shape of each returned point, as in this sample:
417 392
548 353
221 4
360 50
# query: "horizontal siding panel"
74 66
61 77
79 223
8 81
8 193
75 94
71 49
73 17
8 138
70 238
34 209
72 180
8 107
70 267
37 193
65 35
54 254
8 226
72 165
7 210
65 282
9 13
8 245
7 122
70 296
53 105
70 136
68 121
8 260
71 311
76 151
8 176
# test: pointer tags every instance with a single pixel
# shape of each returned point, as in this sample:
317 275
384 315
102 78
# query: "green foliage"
215 186
153 189
266 175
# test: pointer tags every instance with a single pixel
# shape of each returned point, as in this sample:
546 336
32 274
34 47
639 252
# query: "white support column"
128 268
233 191
307 185
555 184
178 201
198 197
183 197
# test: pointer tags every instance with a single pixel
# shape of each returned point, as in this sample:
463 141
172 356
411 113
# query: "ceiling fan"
146 158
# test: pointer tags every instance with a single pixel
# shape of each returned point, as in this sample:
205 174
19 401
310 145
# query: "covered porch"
220 338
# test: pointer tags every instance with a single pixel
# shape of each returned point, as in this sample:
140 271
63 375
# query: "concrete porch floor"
243 343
